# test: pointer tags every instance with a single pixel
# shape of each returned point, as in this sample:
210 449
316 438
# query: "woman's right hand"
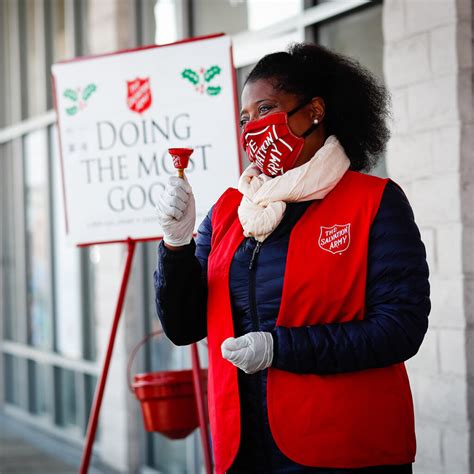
176 210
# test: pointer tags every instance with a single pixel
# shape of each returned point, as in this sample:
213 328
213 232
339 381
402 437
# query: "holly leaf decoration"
214 90
191 76
71 110
70 94
212 72
90 88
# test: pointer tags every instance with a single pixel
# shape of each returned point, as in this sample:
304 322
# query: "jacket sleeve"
397 304
180 281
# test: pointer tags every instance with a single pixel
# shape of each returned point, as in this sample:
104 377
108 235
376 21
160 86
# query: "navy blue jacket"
397 304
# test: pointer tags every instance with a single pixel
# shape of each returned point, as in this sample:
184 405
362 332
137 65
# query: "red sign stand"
99 392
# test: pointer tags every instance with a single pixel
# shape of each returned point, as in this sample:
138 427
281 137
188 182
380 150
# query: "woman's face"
260 99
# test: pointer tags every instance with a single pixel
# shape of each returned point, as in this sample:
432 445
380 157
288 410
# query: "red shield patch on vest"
139 94
335 239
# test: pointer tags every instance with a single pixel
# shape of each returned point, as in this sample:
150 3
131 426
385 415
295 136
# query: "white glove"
251 352
176 211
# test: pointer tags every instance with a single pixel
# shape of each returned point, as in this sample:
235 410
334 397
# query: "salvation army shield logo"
335 239
139 94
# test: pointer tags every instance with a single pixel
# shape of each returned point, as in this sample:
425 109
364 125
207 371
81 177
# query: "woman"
310 281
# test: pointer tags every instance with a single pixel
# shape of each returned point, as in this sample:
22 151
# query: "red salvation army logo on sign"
335 239
139 94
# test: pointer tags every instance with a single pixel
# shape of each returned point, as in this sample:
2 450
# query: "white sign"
118 114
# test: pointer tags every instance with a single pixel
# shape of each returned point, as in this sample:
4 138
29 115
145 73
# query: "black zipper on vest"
256 250
256 327
252 282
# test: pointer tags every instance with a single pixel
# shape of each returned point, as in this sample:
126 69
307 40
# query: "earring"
315 121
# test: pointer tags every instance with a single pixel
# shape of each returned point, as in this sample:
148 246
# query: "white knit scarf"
264 198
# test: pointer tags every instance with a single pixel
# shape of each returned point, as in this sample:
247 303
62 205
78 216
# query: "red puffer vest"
348 420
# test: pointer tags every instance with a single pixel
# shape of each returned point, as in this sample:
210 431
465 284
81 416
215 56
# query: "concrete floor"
19 457
26 451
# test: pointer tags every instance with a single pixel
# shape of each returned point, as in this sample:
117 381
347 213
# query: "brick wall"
428 69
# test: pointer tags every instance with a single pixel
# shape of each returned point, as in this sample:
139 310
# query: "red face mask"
270 143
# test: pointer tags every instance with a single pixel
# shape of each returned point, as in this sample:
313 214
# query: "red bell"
180 158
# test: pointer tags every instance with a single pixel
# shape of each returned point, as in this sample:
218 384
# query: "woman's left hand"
251 352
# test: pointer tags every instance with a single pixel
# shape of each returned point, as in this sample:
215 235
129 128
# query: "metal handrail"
13 132
50 358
